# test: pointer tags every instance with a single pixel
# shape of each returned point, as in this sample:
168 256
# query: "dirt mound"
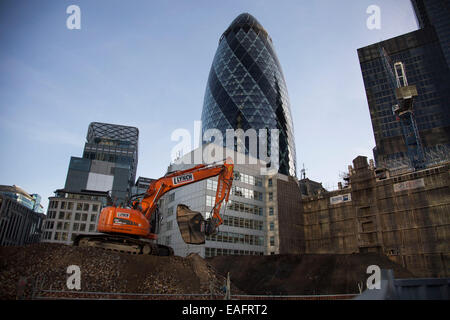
302 274
105 271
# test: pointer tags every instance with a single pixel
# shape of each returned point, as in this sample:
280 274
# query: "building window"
68 215
231 237
95 207
271 211
272 226
86 207
92 228
69 205
75 226
211 185
79 206
246 193
270 196
77 216
170 211
272 241
210 201
84 217
61 215
171 197
270 182
93 217
82 227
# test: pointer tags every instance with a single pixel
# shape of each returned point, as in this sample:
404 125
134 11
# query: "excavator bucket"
191 225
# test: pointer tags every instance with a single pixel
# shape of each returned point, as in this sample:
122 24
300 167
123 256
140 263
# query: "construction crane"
133 229
404 109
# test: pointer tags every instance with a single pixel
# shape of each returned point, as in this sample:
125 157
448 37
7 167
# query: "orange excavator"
133 229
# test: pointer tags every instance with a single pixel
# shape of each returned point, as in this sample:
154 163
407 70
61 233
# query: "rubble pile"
42 269
44 266
308 274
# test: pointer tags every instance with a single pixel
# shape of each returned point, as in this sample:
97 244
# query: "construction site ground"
41 270
307 274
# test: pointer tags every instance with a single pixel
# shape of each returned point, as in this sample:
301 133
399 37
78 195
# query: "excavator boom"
137 225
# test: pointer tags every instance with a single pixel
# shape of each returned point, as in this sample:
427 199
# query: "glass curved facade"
246 88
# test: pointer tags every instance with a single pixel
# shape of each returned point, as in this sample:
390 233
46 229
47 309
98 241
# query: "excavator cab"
191 224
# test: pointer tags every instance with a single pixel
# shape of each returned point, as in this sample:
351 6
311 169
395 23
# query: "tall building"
109 161
21 217
435 13
105 173
246 88
424 56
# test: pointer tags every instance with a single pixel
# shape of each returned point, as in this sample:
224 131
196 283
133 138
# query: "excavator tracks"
122 244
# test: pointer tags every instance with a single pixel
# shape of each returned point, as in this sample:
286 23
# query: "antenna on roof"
303 172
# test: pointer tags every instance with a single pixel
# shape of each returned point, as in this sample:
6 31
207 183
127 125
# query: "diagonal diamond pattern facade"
246 88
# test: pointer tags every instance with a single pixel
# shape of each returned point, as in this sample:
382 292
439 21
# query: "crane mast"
404 109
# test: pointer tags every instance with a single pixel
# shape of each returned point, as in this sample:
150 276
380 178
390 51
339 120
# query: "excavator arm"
130 229
182 178
193 227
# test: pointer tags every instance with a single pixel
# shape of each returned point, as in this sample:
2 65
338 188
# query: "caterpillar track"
123 244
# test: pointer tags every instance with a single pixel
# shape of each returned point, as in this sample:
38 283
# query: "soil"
44 266
310 274
104 271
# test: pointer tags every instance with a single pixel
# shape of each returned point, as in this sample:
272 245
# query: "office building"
423 55
72 213
109 161
21 217
257 218
141 185
246 89
436 14
103 176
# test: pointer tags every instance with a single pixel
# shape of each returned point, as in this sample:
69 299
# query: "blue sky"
146 64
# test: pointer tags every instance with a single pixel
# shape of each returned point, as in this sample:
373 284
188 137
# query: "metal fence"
42 289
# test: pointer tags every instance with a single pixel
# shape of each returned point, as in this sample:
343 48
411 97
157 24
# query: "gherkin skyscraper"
246 88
